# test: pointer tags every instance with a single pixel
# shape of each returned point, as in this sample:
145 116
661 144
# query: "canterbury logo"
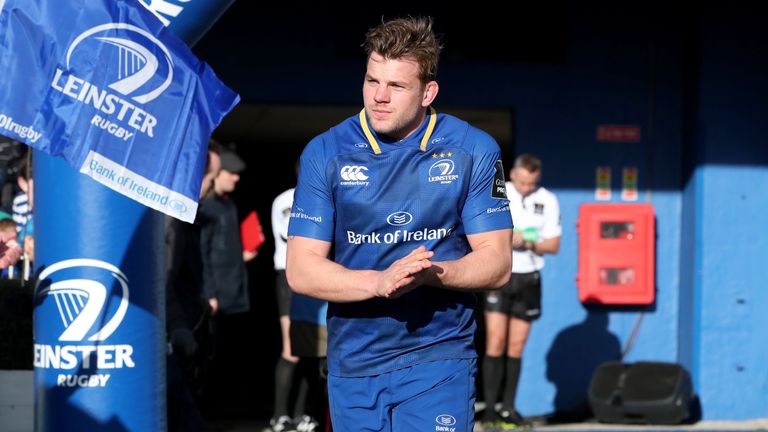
81 302
135 63
353 173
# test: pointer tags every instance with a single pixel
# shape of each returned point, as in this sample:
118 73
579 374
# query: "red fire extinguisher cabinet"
616 254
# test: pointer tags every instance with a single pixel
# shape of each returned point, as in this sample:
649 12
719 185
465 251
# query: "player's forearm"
484 268
321 278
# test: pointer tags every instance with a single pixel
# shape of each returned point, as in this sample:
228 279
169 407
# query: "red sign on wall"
618 133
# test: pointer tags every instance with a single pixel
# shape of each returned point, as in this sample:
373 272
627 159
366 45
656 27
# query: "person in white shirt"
289 374
510 311
285 369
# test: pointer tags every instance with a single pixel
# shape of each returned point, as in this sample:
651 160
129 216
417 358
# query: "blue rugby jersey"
376 200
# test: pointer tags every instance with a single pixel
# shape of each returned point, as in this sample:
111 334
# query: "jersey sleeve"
486 207
312 214
552 226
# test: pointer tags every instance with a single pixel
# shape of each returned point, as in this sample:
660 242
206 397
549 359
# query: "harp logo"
133 61
91 298
442 172
81 301
109 63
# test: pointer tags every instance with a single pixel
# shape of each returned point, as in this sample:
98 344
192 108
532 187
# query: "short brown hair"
528 161
7 225
406 37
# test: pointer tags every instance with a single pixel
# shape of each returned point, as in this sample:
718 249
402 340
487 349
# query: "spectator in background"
285 369
22 201
225 278
286 376
7 225
23 204
10 251
510 311
187 311
11 152
309 342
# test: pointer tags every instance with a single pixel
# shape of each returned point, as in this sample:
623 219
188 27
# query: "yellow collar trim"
424 140
430 129
368 134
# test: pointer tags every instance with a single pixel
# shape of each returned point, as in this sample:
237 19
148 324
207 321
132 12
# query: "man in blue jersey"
400 215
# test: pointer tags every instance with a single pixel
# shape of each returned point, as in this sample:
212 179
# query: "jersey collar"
375 144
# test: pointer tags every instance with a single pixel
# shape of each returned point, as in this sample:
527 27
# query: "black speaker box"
642 392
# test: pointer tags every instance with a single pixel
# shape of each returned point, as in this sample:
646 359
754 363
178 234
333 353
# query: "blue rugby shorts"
434 396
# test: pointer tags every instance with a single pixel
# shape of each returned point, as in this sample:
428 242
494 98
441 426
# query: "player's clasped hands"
405 274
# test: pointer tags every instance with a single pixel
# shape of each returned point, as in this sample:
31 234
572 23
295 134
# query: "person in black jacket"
225 278
187 312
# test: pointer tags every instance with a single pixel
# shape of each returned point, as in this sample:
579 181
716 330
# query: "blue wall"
727 190
697 88
632 77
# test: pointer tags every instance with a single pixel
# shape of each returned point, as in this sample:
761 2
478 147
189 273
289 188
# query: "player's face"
394 96
525 181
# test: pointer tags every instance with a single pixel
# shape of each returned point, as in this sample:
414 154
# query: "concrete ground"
16 413
752 425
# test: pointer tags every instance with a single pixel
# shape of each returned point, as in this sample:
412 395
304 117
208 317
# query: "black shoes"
510 419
